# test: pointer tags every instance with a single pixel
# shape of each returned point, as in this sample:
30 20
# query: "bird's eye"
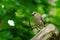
34 13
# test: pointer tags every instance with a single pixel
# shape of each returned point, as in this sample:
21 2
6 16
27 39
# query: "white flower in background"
2 6
11 22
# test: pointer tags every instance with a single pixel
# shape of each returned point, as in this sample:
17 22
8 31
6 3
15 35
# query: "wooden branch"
46 33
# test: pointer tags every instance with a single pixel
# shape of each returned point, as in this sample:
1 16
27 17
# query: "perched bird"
39 22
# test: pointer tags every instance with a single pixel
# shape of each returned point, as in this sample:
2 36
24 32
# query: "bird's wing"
43 20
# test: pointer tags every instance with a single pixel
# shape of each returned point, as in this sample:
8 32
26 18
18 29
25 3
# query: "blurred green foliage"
20 11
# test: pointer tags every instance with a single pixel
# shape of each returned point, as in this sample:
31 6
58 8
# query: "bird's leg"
41 28
35 26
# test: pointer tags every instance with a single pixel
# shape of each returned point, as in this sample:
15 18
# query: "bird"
39 22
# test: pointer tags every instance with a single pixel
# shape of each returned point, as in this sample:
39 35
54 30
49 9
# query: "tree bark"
46 33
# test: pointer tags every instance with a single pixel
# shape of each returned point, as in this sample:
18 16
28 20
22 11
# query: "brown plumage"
39 22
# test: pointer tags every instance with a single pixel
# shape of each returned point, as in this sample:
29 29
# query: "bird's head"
33 13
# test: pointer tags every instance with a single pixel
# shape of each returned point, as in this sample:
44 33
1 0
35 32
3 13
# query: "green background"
20 11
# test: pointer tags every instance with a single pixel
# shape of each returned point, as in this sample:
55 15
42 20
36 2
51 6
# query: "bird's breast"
39 22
